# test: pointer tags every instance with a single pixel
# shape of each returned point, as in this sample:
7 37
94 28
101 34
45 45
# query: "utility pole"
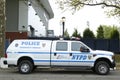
2 27
63 25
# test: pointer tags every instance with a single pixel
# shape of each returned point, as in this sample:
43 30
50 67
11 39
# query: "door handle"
70 54
55 54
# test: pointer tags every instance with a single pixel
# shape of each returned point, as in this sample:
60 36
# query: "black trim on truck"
5 62
113 64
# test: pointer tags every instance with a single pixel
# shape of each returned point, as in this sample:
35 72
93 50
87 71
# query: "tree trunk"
2 27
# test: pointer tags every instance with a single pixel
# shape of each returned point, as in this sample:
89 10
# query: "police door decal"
81 56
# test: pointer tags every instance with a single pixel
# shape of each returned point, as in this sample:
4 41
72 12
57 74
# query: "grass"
117 59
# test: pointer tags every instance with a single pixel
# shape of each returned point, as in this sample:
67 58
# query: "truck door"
81 55
60 53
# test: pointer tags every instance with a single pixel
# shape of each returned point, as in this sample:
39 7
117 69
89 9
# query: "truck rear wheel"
25 67
102 68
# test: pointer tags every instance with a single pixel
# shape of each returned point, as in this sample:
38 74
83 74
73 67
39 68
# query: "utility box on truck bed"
28 54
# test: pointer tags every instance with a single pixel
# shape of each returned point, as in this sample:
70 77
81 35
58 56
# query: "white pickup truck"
28 54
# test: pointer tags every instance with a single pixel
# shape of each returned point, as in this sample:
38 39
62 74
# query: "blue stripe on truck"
56 52
62 61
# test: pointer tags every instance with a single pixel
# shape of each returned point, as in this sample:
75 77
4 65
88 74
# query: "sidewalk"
118 66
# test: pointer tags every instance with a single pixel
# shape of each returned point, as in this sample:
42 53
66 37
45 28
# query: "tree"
76 34
118 28
114 34
108 30
78 4
88 33
2 26
66 34
100 32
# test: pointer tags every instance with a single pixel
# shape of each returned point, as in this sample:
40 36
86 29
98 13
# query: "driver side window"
75 46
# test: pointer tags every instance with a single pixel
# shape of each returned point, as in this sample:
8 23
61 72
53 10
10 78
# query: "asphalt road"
10 74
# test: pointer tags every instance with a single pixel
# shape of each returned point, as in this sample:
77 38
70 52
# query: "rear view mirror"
83 49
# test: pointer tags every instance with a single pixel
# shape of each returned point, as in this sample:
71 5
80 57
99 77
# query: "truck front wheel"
102 68
25 67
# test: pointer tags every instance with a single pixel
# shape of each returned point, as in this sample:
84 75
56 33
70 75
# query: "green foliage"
100 32
113 12
107 31
76 34
66 34
110 32
88 33
114 34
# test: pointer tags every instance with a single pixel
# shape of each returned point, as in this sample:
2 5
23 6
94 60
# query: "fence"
103 44
96 44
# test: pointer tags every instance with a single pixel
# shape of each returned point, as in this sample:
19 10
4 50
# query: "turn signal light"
5 55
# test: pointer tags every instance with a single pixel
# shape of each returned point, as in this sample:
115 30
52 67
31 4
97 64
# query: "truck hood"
102 52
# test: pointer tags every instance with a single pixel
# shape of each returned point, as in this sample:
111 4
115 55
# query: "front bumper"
113 64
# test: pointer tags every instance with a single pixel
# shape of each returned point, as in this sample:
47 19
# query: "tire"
25 67
102 68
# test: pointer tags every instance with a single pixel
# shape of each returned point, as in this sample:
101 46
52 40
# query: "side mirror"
83 49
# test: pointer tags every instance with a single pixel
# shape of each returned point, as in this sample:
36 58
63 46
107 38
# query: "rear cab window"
61 46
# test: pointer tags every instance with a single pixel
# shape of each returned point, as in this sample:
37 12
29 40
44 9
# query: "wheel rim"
103 69
25 68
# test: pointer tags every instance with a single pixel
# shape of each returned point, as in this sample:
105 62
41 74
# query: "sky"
92 16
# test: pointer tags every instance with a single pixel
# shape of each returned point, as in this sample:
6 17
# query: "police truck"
27 54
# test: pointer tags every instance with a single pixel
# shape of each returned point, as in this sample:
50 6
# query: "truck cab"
28 54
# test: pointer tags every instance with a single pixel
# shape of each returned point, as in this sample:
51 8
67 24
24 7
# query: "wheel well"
104 59
25 58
